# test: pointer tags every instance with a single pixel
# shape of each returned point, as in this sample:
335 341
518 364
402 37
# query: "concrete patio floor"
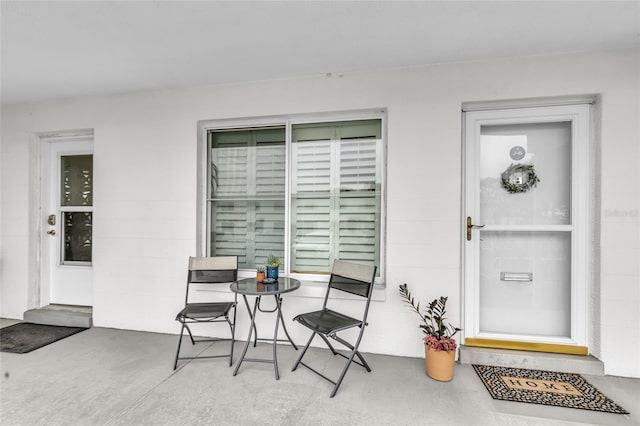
115 377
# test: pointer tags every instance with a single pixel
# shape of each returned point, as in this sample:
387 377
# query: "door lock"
470 227
51 220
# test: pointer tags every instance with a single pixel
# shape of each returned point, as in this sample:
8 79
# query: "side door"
67 220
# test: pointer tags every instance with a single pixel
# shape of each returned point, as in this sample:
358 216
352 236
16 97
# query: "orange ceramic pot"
259 277
439 364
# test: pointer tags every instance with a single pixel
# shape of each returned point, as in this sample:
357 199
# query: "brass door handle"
470 227
52 232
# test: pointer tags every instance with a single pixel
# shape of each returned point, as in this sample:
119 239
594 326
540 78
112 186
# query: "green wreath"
519 178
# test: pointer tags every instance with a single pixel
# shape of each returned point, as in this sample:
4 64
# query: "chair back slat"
355 271
216 263
211 270
349 285
212 276
353 278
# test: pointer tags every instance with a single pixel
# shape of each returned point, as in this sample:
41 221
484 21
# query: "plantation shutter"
270 195
247 170
311 209
335 200
359 221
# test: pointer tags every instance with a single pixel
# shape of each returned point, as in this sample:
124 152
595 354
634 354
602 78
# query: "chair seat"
326 321
203 311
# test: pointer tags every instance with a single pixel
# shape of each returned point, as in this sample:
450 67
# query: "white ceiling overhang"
58 49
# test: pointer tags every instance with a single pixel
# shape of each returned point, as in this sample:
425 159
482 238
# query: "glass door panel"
546 147
77 237
76 186
525 245
76 206
525 283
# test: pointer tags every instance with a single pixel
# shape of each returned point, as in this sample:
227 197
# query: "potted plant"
273 263
260 274
439 344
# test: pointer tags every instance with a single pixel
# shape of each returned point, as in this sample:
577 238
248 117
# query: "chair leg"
304 350
358 354
344 372
354 351
175 364
328 344
193 341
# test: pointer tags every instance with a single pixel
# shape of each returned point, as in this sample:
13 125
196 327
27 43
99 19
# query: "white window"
247 194
306 192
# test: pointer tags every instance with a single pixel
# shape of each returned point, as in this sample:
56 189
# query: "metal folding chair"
357 280
205 272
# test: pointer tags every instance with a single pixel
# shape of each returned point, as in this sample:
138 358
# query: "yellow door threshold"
527 346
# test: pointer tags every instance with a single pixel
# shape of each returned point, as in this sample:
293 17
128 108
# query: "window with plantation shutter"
335 195
247 194
307 193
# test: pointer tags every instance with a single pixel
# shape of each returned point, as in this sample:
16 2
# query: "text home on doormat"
545 387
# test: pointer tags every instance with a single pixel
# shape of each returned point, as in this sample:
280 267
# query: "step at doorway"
65 315
564 363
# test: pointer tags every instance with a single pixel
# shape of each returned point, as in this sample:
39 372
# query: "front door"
526 218
67 213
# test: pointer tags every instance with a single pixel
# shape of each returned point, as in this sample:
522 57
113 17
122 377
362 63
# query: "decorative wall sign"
517 153
519 178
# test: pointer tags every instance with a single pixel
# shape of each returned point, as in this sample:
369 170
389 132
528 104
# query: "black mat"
25 336
545 387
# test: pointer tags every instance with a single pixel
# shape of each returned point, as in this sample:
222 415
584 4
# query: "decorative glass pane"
509 192
77 180
77 236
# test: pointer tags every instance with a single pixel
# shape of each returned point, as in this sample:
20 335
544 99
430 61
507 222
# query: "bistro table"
250 287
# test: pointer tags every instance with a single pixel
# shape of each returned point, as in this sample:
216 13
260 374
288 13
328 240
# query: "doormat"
545 387
25 336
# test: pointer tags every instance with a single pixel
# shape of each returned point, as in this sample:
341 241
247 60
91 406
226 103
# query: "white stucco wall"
145 189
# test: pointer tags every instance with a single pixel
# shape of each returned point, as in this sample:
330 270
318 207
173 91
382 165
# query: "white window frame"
204 126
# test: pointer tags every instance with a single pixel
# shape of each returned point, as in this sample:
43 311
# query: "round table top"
250 286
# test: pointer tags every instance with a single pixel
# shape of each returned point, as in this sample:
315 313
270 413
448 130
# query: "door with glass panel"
525 228
67 221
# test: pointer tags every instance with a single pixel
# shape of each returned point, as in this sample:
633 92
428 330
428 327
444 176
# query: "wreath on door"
519 178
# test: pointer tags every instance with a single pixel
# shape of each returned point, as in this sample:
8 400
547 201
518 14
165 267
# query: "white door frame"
579 116
48 190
